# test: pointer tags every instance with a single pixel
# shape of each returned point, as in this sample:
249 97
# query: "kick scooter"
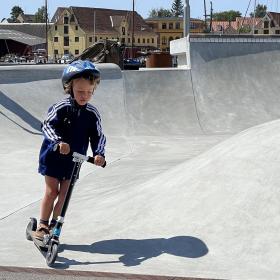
49 245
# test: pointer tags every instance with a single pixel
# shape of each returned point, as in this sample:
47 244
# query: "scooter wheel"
51 254
32 226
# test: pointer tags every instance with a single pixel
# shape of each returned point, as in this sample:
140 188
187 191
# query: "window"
66 20
66 51
55 27
144 40
171 25
77 39
257 31
139 40
123 40
90 39
266 24
66 29
76 27
66 41
177 25
148 41
266 31
56 52
163 40
276 31
153 40
128 40
95 39
55 39
164 26
76 52
123 30
193 25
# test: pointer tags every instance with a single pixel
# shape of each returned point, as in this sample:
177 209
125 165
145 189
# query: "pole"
46 21
254 19
205 15
211 16
94 20
186 18
132 43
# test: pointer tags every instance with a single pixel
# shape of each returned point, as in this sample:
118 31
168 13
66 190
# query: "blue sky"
141 6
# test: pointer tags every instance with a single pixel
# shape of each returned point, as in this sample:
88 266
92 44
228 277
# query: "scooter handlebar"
79 156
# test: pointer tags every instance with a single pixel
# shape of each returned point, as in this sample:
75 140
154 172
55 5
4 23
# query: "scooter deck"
38 243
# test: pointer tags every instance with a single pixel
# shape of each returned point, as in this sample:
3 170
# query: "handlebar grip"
91 160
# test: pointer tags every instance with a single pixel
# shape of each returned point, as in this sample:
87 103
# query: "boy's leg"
64 185
51 193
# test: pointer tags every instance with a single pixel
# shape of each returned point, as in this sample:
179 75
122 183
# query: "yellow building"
76 28
170 28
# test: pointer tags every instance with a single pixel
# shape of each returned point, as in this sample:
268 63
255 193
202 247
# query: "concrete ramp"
235 83
190 189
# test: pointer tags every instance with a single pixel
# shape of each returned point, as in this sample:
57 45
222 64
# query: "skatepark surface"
191 189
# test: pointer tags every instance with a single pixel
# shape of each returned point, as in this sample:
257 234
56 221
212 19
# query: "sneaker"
41 231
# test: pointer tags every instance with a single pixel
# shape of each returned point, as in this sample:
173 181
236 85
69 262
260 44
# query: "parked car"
65 59
131 64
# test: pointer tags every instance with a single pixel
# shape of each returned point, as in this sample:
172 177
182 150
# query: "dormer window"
66 20
123 30
266 24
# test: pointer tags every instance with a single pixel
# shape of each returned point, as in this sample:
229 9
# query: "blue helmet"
80 68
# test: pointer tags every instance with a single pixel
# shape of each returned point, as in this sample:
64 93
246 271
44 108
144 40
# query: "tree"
160 13
260 11
226 15
40 15
245 29
177 8
15 12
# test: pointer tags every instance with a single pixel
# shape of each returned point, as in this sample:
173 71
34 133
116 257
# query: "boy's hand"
99 160
64 148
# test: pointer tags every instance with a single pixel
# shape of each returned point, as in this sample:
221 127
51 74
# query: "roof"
248 21
106 20
230 27
20 37
27 17
170 18
275 17
221 26
34 29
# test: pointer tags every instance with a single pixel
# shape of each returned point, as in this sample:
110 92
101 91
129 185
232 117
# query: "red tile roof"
106 20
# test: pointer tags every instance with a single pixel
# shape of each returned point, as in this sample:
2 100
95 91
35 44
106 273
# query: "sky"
141 6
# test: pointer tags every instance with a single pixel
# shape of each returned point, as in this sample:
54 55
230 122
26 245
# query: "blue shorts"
54 164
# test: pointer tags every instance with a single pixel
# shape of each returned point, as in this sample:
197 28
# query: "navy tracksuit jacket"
75 125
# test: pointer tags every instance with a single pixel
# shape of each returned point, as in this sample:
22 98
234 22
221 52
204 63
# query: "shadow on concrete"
18 110
134 252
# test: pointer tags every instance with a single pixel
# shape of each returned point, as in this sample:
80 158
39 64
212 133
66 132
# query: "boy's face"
82 90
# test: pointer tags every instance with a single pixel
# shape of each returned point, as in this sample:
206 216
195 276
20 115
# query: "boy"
72 123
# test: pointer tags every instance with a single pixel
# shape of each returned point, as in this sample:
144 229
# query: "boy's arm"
98 139
50 124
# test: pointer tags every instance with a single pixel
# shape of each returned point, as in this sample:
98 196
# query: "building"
171 28
76 28
25 18
241 25
270 24
21 38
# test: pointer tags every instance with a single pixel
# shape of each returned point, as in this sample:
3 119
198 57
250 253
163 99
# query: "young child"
71 124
